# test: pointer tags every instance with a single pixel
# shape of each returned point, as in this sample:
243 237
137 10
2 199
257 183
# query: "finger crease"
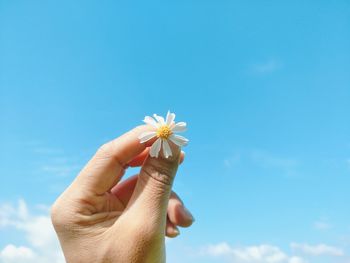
161 178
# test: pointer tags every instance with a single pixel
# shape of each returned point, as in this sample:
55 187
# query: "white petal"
149 120
179 127
178 140
146 136
170 117
160 119
154 151
166 149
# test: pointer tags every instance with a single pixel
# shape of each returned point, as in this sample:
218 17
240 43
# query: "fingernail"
188 214
176 231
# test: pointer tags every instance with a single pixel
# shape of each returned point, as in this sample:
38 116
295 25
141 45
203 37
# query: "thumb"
153 188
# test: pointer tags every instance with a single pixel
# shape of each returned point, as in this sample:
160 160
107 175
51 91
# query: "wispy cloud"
322 224
263 159
54 161
231 161
266 67
348 162
318 250
267 253
267 159
264 253
47 150
60 169
40 244
284 165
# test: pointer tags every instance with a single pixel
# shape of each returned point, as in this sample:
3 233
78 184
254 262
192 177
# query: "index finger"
106 168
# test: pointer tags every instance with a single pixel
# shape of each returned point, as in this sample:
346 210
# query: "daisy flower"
164 130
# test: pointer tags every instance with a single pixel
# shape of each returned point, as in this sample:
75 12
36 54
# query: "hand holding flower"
100 218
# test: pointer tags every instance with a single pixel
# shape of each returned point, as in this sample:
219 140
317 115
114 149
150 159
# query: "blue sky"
263 85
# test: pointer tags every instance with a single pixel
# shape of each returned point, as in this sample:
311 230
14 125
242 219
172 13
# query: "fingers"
139 160
178 214
124 190
171 229
157 175
106 168
153 187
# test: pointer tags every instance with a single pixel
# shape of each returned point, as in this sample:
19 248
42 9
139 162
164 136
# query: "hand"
100 219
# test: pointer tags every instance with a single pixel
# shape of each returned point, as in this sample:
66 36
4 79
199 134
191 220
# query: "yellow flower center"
164 132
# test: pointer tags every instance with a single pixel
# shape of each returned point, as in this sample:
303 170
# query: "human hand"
99 219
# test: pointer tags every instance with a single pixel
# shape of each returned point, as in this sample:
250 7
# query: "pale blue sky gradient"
263 85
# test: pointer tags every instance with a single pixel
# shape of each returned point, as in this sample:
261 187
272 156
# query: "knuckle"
108 152
104 150
63 219
61 212
57 217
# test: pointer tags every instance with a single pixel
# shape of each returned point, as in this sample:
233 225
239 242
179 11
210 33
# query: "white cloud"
267 67
54 161
268 160
41 244
322 225
13 254
221 249
348 162
232 160
318 250
263 159
253 254
59 169
47 150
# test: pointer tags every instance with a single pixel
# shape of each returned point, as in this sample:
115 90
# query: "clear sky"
263 85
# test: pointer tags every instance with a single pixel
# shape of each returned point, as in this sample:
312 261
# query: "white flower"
164 130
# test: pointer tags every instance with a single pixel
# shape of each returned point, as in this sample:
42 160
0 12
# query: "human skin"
100 218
